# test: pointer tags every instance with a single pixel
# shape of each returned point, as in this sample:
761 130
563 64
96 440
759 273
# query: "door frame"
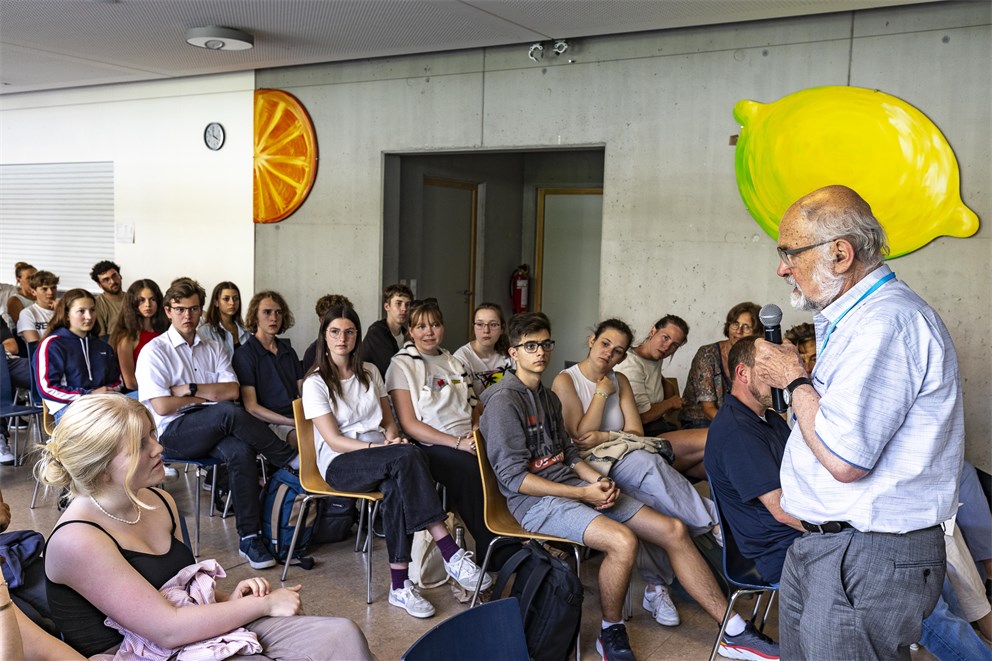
473 188
539 239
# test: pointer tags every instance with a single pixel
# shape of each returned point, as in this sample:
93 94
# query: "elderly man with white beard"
870 468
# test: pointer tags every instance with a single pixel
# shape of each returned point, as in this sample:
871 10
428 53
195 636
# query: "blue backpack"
282 499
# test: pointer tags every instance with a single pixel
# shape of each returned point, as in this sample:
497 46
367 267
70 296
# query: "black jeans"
409 501
458 471
229 433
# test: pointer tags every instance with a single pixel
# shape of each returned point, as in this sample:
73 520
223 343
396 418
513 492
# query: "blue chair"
742 575
10 409
489 631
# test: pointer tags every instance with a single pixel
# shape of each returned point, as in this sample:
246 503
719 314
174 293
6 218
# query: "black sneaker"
613 644
253 549
749 644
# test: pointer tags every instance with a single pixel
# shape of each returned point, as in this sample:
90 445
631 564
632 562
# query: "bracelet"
603 394
6 605
370 446
605 477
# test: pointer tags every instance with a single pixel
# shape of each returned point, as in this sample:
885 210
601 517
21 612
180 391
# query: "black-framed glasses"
531 347
491 325
786 255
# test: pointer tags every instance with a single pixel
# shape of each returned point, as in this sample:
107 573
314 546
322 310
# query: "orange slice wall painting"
285 155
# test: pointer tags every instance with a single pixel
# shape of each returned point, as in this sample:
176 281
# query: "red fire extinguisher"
519 288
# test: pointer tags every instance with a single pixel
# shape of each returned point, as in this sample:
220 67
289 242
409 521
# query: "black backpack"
338 517
550 596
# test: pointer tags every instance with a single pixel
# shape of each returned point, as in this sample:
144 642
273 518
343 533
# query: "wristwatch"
789 389
192 390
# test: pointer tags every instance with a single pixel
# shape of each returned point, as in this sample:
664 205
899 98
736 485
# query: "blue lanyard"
830 330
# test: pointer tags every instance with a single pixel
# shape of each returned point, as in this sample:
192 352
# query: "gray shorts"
567 518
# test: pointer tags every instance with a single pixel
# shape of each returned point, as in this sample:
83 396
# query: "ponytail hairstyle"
93 430
325 367
614 324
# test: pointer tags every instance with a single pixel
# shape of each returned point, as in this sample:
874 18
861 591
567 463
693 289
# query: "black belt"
826 526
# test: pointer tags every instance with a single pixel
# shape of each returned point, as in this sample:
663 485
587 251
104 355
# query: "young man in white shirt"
33 322
179 369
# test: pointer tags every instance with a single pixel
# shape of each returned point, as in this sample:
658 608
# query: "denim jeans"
947 636
401 473
229 433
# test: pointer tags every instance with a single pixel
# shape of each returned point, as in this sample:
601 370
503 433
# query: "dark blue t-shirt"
273 376
743 458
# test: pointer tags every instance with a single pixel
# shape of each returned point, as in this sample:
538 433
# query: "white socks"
607 624
736 626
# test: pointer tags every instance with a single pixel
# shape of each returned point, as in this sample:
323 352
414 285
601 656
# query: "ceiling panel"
48 44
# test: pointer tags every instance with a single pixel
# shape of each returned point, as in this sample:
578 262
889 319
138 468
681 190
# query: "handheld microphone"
771 318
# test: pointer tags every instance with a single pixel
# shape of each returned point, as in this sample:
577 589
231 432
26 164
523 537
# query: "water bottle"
460 536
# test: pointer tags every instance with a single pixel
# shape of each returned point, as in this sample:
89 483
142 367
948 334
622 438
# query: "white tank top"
586 389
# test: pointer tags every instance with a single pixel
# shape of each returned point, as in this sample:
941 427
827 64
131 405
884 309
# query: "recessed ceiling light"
219 38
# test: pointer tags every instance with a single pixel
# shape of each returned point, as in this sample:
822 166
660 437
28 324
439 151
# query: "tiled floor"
336 586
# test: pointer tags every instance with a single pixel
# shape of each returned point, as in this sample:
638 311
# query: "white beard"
826 282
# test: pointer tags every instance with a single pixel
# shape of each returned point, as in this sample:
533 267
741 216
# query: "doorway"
431 241
566 277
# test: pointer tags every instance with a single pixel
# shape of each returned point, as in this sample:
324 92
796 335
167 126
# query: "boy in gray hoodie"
550 490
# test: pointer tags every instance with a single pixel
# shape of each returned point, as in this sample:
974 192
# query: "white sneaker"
659 603
409 599
6 456
465 572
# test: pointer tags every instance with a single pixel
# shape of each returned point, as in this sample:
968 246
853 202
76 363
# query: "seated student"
743 459
222 320
118 542
486 357
20 637
386 336
32 324
433 401
72 360
359 448
24 297
550 490
804 337
655 396
324 303
107 275
267 367
20 377
189 386
141 319
708 379
595 401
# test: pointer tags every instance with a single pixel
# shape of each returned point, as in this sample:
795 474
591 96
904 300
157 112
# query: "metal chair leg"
196 506
301 517
368 556
361 521
726 618
34 497
768 609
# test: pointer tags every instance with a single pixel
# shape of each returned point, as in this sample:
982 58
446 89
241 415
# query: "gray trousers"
858 596
309 638
647 477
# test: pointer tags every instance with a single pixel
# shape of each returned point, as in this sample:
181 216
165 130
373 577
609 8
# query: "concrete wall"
676 236
191 208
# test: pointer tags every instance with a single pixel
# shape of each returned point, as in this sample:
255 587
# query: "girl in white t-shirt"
486 357
433 400
359 448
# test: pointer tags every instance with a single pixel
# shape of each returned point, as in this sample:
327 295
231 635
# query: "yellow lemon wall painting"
285 155
877 144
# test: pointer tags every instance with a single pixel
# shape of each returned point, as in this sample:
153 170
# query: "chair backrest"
738 570
496 513
310 477
490 631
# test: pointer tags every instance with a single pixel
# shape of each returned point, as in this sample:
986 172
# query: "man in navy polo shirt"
268 368
744 451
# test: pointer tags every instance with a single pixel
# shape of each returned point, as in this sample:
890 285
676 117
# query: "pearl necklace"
117 518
